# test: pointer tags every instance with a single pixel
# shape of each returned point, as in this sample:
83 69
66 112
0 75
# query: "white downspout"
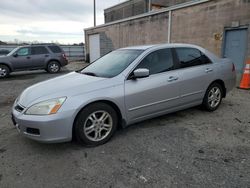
169 25
149 5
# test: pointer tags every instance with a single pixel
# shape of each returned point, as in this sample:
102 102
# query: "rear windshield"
55 49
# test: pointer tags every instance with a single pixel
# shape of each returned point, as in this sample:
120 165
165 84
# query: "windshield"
112 64
13 51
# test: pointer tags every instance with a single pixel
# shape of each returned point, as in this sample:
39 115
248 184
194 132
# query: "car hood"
67 85
3 57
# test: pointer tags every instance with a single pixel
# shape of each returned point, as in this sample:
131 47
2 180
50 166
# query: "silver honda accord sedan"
123 87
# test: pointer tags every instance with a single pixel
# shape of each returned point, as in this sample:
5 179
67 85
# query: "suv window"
158 61
55 49
191 57
23 52
36 50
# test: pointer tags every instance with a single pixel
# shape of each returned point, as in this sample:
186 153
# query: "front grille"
13 119
19 108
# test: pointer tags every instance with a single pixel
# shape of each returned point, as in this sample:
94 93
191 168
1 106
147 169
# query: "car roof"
141 47
42 44
173 45
169 45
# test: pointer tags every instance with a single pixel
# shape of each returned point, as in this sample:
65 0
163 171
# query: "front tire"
213 97
53 67
4 71
95 124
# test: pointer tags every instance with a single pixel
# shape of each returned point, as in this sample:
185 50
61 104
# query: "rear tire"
4 71
53 67
95 124
213 97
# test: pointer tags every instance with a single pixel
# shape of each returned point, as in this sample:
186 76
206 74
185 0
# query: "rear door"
156 93
22 59
40 54
196 73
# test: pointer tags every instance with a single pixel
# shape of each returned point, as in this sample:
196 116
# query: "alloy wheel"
3 72
98 126
54 67
214 97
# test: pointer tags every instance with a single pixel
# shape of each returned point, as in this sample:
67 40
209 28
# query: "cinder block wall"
168 2
125 10
135 7
195 24
199 24
147 30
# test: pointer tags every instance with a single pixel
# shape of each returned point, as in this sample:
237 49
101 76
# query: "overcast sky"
49 20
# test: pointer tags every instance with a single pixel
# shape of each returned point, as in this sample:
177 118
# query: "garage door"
94 47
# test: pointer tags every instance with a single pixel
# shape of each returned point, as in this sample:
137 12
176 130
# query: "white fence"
74 53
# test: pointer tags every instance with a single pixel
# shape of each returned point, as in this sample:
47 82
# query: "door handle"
28 57
172 78
208 70
46 55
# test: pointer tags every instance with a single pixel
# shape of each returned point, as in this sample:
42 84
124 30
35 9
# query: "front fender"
8 65
113 94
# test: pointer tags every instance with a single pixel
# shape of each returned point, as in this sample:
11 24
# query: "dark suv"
32 57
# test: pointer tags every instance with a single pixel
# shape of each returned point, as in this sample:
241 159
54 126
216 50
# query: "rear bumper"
230 83
64 62
48 129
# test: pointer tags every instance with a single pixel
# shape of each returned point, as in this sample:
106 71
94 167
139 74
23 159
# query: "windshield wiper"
89 73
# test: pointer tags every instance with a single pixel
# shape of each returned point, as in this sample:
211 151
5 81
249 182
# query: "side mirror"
15 55
140 73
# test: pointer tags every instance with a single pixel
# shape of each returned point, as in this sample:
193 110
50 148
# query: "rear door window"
189 57
55 49
158 61
37 50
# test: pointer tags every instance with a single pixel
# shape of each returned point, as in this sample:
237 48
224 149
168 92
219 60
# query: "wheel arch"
6 64
121 120
221 82
53 60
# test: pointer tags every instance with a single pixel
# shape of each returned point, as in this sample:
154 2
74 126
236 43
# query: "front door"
21 60
235 47
156 93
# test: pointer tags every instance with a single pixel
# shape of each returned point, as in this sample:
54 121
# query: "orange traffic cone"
245 80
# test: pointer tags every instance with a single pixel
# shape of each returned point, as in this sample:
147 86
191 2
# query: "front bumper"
48 129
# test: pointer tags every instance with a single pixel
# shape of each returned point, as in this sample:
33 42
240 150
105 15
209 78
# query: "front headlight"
46 107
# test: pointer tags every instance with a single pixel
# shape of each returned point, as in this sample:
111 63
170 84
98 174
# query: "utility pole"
94 14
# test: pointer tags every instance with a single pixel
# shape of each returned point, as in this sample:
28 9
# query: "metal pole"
94 13
169 25
149 5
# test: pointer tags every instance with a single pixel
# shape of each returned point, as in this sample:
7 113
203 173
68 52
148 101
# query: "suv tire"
53 67
4 71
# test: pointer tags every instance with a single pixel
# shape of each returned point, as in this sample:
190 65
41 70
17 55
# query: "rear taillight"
233 67
64 56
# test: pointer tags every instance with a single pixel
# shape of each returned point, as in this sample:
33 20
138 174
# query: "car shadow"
160 121
155 122
171 118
